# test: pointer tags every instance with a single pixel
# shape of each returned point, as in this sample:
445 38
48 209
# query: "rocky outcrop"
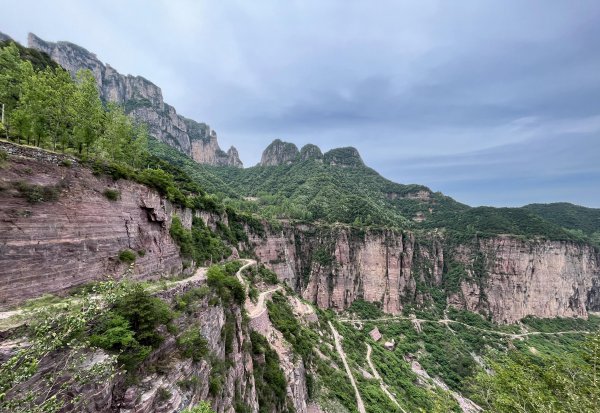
504 277
143 100
206 150
58 229
310 151
279 153
166 381
347 157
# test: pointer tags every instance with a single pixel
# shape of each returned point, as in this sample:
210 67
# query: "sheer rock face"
334 267
279 153
142 100
51 246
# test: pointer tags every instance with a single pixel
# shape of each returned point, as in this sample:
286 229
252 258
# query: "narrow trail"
254 310
338 346
382 384
447 321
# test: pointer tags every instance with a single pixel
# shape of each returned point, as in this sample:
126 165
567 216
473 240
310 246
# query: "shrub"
129 327
37 193
226 286
127 256
112 194
192 344
203 407
141 252
163 394
67 163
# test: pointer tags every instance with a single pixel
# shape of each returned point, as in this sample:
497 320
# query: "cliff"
143 100
504 277
279 153
59 230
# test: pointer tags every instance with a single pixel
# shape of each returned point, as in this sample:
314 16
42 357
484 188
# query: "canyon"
49 247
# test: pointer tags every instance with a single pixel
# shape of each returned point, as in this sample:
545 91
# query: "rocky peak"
233 157
279 153
347 156
143 100
310 151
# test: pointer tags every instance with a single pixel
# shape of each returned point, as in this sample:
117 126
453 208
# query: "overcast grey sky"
490 102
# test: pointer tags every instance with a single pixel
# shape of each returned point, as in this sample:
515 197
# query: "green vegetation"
199 243
127 256
268 376
129 327
38 193
192 345
580 221
45 107
541 383
533 373
203 407
225 284
284 320
365 309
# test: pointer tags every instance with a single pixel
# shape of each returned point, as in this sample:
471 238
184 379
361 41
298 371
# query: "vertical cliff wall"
504 277
58 229
143 100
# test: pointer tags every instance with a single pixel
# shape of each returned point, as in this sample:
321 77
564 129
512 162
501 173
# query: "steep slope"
143 100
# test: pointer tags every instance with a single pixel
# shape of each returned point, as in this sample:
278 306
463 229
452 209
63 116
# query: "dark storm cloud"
490 102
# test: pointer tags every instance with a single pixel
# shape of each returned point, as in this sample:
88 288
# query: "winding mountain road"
338 346
447 321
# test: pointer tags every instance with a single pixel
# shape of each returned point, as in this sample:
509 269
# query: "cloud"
477 99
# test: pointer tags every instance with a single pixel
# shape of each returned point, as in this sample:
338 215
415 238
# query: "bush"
129 327
67 163
112 194
163 394
268 376
192 344
38 193
203 407
227 287
127 256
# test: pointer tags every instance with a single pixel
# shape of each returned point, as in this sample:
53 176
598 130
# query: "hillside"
575 217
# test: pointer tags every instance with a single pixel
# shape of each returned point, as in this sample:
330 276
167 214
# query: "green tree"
88 111
11 79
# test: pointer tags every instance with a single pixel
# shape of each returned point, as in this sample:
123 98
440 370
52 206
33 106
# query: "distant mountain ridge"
143 100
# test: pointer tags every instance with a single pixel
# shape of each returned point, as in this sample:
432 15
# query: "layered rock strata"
504 277
58 229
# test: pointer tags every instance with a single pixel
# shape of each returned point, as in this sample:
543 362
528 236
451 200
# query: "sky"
490 102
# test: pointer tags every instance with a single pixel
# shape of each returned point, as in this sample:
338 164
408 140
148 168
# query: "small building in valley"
375 334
